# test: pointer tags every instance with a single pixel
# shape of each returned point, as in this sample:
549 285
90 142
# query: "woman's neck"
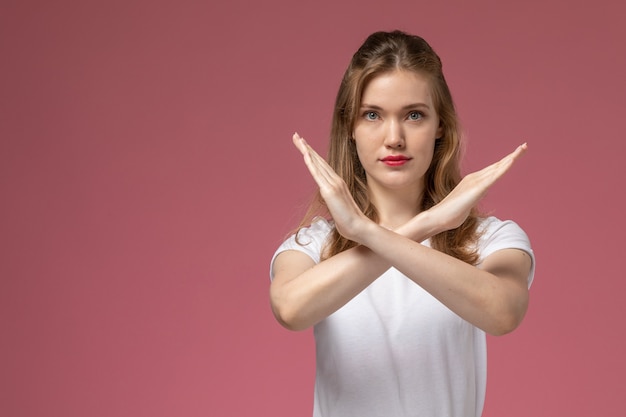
395 207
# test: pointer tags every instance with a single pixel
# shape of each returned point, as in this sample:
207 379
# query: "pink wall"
147 175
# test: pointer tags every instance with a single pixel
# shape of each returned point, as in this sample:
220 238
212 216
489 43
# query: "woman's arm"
303 293
493 297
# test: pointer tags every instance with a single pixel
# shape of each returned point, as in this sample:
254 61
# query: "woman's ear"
439 133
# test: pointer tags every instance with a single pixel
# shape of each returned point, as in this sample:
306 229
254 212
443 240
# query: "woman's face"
395 131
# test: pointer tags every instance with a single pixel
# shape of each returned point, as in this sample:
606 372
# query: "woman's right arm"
303 293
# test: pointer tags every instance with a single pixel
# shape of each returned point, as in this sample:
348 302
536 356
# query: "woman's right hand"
452 211
349 220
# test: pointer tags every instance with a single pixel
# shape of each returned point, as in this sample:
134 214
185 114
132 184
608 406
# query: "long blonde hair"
384 52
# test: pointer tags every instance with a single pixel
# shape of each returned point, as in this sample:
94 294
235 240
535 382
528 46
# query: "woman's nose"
394 136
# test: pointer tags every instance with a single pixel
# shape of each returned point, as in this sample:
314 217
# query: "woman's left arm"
493 296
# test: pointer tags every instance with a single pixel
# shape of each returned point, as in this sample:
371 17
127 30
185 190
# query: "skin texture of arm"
493 297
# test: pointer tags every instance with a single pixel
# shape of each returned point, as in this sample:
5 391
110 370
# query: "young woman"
404 278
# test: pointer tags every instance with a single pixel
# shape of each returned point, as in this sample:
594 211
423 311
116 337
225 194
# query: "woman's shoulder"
496 234
318 230
491 224
500 234
309 239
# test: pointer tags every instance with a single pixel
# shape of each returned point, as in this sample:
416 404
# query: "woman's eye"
371 115
415 115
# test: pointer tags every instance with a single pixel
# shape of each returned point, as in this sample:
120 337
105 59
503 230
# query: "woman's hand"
349 219
452 211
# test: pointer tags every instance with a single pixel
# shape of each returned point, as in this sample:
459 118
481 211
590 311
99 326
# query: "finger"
304 147
500 167
322 166
314 169
299 142
310 156
521 150
321 172
315 160
515 155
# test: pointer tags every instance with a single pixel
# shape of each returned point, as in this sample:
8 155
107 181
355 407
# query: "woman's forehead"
399 88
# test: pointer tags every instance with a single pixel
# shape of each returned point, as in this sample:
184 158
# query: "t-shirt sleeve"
310 241
498 234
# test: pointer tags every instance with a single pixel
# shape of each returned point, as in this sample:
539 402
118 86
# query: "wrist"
368 233
421 227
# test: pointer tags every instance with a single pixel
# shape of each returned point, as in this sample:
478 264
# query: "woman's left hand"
349 219
452 211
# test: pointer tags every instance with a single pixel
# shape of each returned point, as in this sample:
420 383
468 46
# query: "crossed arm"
493 297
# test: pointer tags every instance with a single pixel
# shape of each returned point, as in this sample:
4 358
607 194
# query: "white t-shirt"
396 351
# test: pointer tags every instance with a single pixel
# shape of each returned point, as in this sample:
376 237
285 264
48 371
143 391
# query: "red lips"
395 160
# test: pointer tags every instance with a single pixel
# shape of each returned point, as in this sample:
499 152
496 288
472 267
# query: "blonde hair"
384 52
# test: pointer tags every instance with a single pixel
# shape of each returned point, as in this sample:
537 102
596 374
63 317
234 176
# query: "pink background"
147 176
